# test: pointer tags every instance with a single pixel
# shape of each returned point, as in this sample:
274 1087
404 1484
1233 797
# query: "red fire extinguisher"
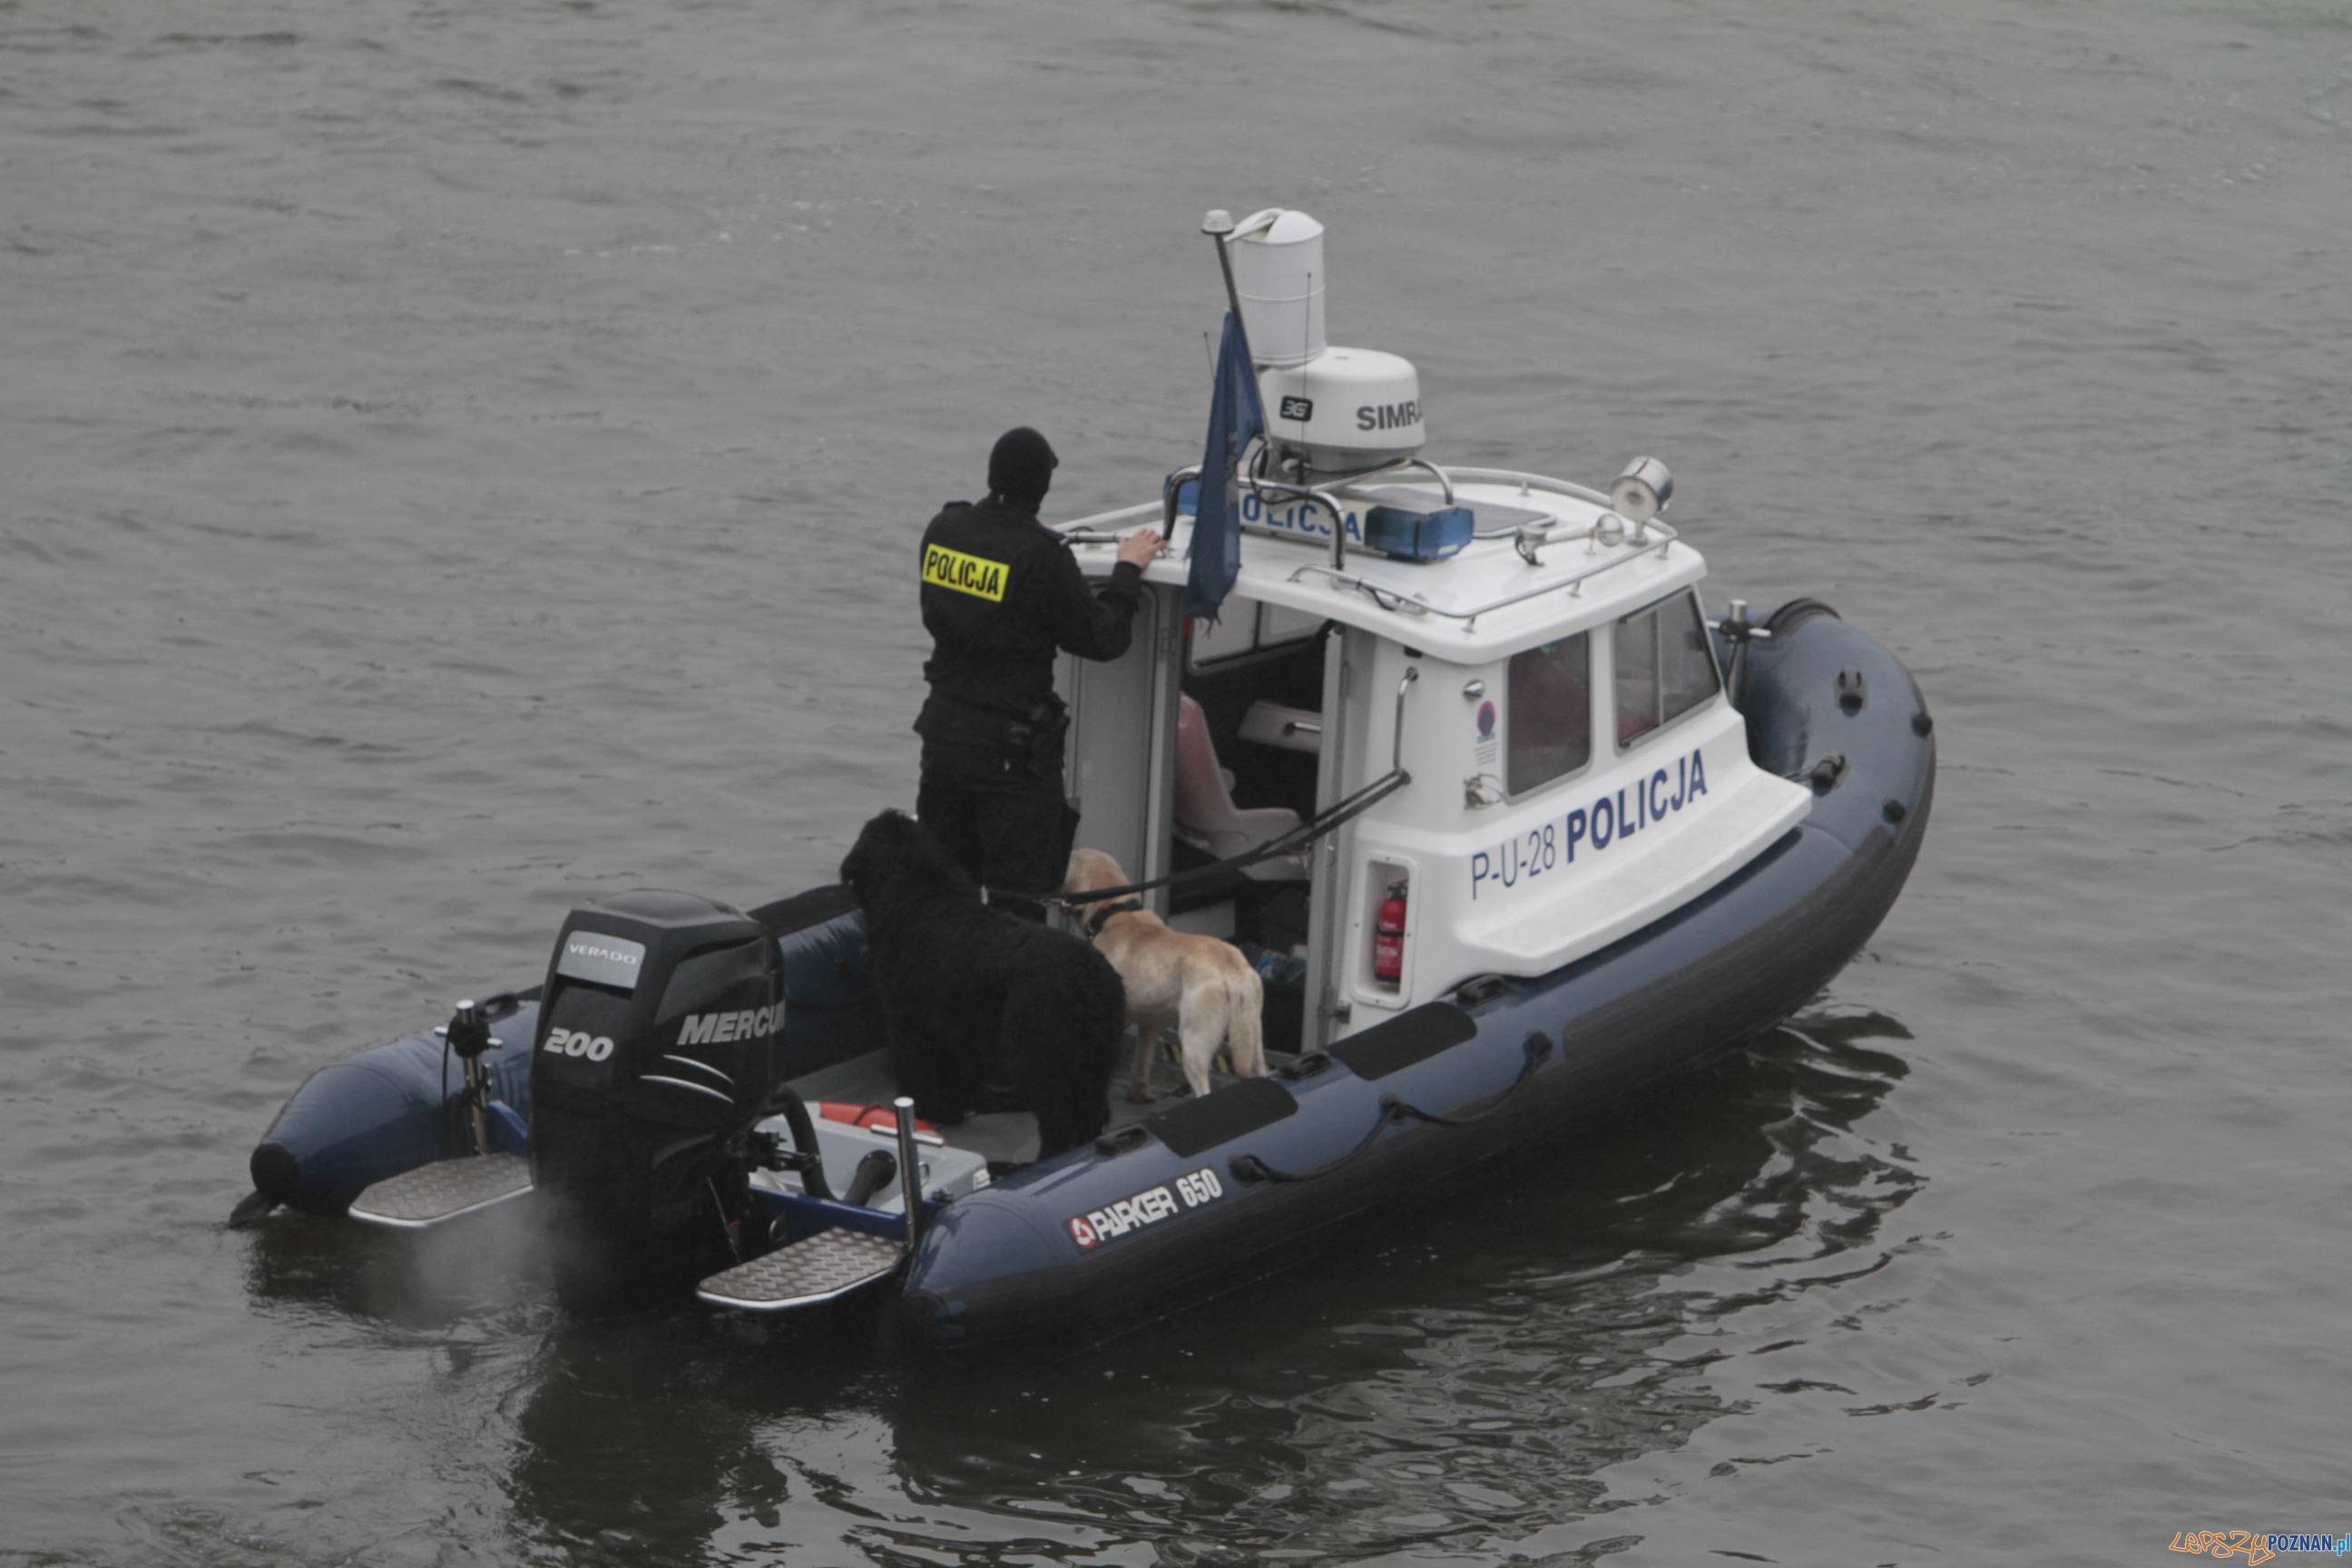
1388 938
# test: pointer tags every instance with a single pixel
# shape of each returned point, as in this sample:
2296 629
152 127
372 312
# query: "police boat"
1513 824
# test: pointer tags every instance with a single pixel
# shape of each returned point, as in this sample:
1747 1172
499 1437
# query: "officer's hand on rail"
1141 547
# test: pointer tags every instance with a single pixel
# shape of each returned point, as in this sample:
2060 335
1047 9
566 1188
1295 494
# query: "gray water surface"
456 462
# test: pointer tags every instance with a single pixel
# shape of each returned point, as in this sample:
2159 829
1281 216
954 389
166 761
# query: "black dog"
968 991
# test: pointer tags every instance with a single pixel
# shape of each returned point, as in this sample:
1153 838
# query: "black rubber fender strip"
1407 1038
1231 1112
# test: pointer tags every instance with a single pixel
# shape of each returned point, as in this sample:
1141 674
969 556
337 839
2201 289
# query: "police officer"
1001 593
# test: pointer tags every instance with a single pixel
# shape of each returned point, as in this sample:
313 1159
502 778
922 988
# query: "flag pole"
1219 226
1234 421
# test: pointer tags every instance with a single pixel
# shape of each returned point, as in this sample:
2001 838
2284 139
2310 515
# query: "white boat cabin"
1539 668
1576 770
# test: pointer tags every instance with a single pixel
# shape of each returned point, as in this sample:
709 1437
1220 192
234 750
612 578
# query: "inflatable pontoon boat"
1515 825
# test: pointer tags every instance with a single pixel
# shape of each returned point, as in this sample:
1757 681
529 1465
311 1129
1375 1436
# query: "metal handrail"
1090 529
1532 482
1309 493
1526 482
1443 477
1351 481
1386 598
1653 535
1168 488
1396 745
1389 599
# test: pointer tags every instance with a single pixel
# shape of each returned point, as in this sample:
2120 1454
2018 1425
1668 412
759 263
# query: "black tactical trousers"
1008 826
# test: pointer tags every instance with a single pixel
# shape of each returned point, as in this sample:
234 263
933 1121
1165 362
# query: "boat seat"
1206 817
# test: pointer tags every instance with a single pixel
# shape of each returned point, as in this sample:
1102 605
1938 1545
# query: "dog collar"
1096 920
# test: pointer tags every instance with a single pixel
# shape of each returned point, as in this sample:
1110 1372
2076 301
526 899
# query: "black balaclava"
1021 468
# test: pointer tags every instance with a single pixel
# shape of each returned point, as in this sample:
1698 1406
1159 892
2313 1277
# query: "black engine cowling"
657 1052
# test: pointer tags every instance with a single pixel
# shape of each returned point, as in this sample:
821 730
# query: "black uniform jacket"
1001 593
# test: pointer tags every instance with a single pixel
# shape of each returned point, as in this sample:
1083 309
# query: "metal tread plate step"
829 1263
431 1194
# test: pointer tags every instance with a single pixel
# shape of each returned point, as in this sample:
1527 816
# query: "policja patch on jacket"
974 574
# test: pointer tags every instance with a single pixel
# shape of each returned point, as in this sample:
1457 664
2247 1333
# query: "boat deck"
1009 1136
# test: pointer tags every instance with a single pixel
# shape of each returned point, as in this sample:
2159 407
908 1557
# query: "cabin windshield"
1665 665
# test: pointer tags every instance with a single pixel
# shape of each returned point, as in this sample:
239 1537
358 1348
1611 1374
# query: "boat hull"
385 1111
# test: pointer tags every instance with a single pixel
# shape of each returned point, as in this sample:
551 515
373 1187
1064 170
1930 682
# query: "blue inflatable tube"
356 1121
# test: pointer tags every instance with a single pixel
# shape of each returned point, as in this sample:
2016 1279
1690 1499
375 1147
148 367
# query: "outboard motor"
657 1052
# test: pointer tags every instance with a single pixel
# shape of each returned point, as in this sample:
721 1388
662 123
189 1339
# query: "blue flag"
1235 420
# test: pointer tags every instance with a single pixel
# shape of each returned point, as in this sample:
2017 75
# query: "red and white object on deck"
872 1118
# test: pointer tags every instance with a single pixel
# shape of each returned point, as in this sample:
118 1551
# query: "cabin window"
1549 713
1665 667
1231 635
1247 626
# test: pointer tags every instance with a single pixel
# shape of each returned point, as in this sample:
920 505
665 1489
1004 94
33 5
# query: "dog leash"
1290 842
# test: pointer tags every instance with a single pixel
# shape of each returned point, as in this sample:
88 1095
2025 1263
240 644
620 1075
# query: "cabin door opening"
1121 767
1252 763
1203 742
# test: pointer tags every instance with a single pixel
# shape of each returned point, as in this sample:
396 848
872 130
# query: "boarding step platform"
829 1263
436 1194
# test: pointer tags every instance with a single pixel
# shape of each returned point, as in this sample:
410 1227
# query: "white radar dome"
1277 259
1344 410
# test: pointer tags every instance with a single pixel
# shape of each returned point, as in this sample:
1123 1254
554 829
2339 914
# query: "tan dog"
1202 987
